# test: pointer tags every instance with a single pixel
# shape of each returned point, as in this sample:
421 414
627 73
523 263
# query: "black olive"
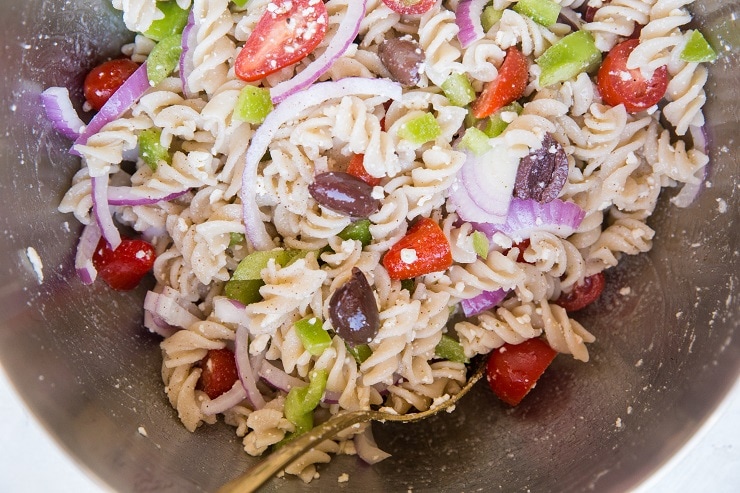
543 172
344 193
353 311
403 58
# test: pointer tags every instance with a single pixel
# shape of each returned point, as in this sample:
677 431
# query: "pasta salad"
344 201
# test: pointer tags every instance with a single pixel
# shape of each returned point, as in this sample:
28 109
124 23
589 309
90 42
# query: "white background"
31 462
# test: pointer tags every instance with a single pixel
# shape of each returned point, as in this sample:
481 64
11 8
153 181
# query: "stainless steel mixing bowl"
667 350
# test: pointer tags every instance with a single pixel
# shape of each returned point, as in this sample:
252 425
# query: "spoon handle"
276 461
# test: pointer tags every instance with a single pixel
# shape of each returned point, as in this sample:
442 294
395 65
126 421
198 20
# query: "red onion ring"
84 266
232 397
482 302
277 378
186 63
527 216
101 211
61 113
287 110
468 19
244 367
121 100
166 311
345 35
138 196
367 449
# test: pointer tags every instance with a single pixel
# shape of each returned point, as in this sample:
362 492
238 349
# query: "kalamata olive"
344 193
403 58
543 172
353 311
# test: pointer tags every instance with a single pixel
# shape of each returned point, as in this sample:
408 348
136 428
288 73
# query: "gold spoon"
276 461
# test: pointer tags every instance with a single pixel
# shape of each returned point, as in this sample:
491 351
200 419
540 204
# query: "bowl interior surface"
666 354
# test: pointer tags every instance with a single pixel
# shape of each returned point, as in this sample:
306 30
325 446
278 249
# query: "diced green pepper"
490 17
301 401
481 244
312 335
173 22
698 49
236 239
449 349
544 12
408 284
151 149
251 266
245 292
240 3
358 230
459 90
570 56
498 122
253 105
476 141
163 59
360 353
421 129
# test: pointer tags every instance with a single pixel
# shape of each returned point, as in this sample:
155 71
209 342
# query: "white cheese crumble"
343 478
142 431
36 264
408 255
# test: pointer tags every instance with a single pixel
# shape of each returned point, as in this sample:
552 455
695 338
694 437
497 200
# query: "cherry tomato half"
513 369
105 79
219 372
283 36
410 7
583 294
619 85
123 268
507 87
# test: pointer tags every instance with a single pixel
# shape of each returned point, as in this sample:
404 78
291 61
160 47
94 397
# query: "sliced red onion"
85 250
101 211
468 19
287 110
367 449
61 113
166 311
244 367
686 196
157 326
347 32
121 100
527 216
277 378
571 18
229 311
186 65
138 196
233 397
484 301
331 397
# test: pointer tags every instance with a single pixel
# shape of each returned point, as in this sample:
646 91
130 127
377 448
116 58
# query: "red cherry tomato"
407 7
219 372
513 370
619 85
283 36
124 267
522 245
507 87
583 294
356 168
105 79
424 249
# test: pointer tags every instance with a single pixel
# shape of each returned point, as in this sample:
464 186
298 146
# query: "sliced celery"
697 49
476 141
481 244
151 149
458 90
358 230
312 335
421 129
490 17
498 122
245 292
567 58
251 266
449 349
163 59
236 239
544 12
173 22
253 105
